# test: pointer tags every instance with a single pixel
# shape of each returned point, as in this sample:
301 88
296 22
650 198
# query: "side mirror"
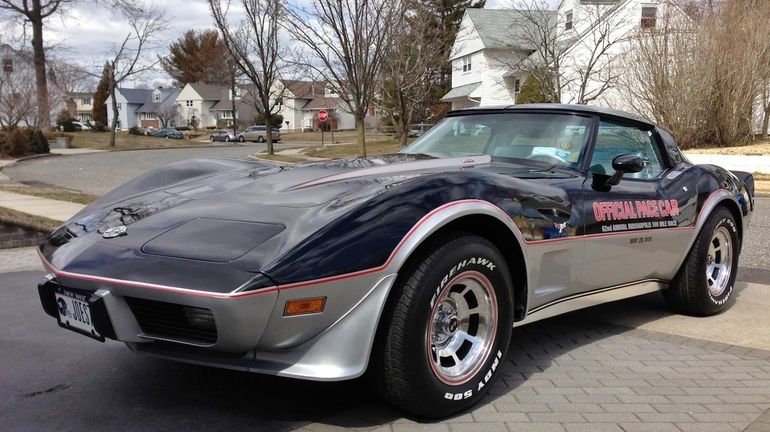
625 164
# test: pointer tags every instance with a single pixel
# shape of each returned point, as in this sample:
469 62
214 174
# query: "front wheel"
704 284
445 335
241 139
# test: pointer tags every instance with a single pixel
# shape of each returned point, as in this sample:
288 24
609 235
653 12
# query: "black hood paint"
326 211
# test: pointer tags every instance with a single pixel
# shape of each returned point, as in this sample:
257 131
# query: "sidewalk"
43 207
20 259
748 163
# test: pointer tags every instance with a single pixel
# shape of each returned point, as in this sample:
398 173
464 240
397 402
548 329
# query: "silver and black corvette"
412 267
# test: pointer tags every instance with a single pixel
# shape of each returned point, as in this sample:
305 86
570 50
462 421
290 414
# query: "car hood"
237 215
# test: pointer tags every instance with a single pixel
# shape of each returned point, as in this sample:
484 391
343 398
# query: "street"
98 173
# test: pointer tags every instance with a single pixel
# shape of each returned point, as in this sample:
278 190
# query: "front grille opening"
174 321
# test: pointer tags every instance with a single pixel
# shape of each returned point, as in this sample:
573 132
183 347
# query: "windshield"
557 139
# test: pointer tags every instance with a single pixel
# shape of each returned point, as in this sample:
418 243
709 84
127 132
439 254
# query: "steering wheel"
548 158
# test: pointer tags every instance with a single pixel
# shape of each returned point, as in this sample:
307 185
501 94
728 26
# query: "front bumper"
250 331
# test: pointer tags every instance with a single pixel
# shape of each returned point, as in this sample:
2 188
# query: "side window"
615 139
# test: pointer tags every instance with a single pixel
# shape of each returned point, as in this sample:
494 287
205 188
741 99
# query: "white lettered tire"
445 333
705 283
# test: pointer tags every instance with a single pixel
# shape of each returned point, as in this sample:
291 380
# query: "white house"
129 101
196 100
301 101
18 93
488 44
491 42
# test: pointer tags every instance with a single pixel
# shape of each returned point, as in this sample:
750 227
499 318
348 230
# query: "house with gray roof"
211 105
488 45
129 101
160 109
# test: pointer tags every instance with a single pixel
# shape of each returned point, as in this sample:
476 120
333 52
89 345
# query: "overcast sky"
87 33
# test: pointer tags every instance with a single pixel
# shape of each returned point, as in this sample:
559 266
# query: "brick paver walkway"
569 374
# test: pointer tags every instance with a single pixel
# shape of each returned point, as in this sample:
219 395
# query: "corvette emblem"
114 232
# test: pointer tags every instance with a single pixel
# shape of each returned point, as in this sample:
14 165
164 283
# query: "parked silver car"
258 134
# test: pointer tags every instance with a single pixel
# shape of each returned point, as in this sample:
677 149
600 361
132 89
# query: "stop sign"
323 115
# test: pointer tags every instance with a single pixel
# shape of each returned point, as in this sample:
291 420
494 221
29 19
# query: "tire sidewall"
484 259
721 219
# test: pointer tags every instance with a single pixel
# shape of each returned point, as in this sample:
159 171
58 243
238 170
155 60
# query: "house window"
8 65
516 86
156 97
120 105
568 21
85 101
467 64
649 16
188 103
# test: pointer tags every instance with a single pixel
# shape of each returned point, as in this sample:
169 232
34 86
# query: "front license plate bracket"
75 312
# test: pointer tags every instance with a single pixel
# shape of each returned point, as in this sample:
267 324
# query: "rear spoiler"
747 179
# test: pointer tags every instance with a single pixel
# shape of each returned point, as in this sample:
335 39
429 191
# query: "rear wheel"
445 335
212 138
260 139
704 284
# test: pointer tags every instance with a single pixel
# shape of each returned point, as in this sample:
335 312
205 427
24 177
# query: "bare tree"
167 114
594 56
765 103
17 93
407 69
145 25
703 78
254 49
35 12
540 46
667 77
345 42
66 79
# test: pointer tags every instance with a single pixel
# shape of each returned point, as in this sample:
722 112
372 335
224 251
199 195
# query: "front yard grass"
13 217
373 148
51 193
754 148
340 137
280 158
124 141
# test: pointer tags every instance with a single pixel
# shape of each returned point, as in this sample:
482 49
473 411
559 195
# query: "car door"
632 230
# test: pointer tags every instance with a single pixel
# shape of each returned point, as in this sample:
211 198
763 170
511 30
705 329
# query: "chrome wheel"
719 261
462 328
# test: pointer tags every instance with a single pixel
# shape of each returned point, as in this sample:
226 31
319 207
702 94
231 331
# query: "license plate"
75 312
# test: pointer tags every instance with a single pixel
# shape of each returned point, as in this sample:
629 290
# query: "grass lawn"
124 141
340 137
281 158
752 148
51 193
352 150
14 217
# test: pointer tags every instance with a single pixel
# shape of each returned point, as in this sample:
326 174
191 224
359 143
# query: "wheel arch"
732 206
473 217
717 199
720 198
